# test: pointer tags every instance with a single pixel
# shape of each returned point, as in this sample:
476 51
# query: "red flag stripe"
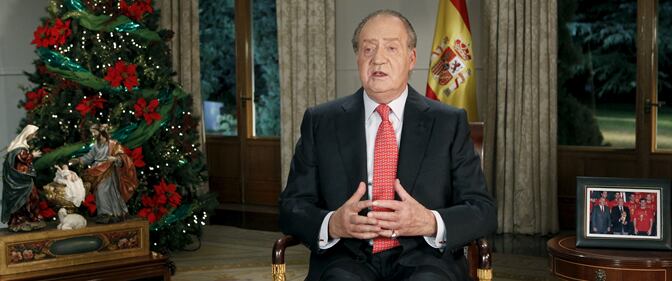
461 7
430 93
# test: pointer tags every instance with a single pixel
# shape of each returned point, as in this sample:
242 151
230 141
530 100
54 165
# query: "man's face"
642 203
620 202
95 133
383 58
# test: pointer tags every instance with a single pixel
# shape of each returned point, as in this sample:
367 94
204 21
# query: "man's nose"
378 57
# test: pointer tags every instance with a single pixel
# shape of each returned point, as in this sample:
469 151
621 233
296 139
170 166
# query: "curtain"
521 137
306 50
181 16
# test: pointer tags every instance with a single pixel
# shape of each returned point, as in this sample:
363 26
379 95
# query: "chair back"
477 138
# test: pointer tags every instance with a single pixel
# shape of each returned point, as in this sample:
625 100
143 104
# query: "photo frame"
623 213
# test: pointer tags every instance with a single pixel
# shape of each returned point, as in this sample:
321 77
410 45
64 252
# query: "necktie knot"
384 111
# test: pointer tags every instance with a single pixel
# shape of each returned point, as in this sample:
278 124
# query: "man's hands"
407 217
347 223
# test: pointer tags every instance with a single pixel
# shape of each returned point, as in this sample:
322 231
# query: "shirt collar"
397 105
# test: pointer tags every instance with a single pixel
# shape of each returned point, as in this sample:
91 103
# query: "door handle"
649 104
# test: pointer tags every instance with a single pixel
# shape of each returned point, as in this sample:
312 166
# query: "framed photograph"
623 213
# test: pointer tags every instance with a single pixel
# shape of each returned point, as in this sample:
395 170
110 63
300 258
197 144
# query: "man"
112 176
600 218
384 184
620 218
643 220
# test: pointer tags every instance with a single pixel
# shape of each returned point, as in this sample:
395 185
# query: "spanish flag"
451 69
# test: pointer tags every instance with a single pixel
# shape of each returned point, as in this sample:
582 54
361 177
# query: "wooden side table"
153 267
570 263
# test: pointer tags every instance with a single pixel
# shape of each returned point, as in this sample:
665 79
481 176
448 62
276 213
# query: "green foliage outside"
266 73
218 61
597 70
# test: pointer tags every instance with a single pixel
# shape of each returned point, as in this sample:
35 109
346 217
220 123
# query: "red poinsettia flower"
89 105
60 31
136 155
154 207
35 99
147 213
175 199
152 214
42 37
124 73
147 111
167 193
45 211
136 10
57 34
90 203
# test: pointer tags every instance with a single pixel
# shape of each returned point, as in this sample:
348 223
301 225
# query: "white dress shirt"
371 124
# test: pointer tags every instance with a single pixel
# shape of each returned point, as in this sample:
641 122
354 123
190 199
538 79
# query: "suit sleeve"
471 213
300 214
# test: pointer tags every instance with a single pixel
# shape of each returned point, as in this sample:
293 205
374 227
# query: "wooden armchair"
478 252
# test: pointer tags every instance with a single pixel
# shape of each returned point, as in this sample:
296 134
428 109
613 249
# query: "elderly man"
384 184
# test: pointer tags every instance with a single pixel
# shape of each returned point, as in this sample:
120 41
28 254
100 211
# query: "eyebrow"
384 39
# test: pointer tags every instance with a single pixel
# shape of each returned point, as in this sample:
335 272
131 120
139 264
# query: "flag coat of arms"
451 69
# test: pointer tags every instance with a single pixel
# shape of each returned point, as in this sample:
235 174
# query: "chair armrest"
279 247
479 258
278 256
484 254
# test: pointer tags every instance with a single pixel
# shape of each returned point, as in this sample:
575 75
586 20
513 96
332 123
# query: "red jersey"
643 219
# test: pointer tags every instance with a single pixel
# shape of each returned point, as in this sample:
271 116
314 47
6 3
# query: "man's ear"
412 58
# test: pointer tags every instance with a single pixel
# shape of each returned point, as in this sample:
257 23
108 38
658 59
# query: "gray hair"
412 37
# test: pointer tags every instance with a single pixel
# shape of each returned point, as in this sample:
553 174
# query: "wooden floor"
232 253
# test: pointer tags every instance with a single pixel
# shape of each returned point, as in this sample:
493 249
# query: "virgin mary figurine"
20 200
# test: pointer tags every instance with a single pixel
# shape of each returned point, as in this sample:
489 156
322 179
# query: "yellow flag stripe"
451 74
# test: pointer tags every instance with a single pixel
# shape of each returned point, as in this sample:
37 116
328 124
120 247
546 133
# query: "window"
260 104
218 66
664 94
597 72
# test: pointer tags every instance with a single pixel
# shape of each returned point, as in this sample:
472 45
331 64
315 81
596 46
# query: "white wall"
18 20
422 15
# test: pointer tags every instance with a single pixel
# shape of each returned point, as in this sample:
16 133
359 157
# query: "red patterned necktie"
384 171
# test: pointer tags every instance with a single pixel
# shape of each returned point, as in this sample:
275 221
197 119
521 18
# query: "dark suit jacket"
437 166
600 220
616 225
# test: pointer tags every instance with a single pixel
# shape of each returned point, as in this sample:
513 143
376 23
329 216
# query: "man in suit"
620 218
384 184
600 218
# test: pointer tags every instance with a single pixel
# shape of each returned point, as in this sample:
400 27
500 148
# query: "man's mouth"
378 74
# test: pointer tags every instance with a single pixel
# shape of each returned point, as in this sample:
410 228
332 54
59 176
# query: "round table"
570 263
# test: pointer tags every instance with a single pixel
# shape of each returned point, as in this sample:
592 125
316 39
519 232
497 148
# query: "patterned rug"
229 253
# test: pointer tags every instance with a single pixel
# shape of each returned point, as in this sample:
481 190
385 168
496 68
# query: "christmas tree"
107 62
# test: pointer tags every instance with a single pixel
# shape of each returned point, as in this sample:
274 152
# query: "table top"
564 246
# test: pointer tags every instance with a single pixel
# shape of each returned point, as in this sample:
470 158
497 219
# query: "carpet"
230 253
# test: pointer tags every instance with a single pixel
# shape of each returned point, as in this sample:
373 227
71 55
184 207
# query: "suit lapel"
414 138
352 140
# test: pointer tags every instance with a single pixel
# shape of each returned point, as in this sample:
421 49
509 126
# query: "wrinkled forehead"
383 28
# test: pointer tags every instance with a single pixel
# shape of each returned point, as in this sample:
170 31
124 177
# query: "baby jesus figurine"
74 187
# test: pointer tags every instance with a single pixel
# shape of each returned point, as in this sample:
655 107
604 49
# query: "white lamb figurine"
74 188
70 221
